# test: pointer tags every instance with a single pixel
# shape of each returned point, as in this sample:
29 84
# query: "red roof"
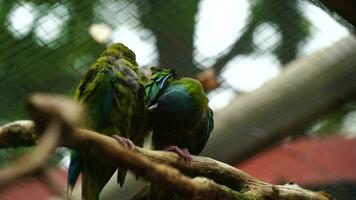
33 189
308 161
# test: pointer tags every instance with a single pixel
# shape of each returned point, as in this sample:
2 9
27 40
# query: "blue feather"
75 167
158 84
106 105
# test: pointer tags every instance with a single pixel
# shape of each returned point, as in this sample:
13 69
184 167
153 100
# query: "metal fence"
48 45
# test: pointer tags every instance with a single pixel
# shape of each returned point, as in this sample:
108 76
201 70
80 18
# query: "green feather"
113 94
159 79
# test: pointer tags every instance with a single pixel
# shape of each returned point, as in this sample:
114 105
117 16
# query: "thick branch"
53 118
170 178
56 117
231 177
34 161
142 162
19 133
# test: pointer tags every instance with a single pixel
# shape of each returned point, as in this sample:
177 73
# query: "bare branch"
34 161
19 133
43 108
143 163
155 166
231 177
53 116
170 178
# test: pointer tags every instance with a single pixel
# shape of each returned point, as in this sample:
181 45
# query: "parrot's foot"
127 143
183 153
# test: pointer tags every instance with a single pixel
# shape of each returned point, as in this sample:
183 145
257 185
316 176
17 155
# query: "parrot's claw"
127 143
183 153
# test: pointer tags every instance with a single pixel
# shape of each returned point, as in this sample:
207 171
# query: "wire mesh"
48 45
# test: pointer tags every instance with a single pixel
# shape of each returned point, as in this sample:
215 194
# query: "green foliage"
287 16
30 66
289 20
9 155
332 123
173 24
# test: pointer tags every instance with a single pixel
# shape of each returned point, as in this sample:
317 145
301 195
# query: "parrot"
113 93
181 118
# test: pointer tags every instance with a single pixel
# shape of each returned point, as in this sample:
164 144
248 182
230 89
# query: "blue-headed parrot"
182 120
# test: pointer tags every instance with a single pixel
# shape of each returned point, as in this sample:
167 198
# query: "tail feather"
121 175
94 177
69 192
75 167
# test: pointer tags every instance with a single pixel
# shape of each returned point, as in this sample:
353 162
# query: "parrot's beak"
152 108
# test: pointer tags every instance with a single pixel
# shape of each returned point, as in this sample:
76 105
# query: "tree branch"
53 119
155 166
34 161
19 133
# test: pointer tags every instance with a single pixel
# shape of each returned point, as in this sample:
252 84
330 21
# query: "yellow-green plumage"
113 95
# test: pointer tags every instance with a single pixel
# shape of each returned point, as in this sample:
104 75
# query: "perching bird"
113 93
182 119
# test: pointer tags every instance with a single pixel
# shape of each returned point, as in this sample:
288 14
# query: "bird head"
119 50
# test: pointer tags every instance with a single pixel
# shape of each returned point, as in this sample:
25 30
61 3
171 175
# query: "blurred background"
279 76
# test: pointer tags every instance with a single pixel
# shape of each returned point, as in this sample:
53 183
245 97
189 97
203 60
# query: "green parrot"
182 120
113 93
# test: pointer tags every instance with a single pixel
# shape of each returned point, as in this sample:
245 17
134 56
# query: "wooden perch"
19 133
35 161
56 116
230 176
59 113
